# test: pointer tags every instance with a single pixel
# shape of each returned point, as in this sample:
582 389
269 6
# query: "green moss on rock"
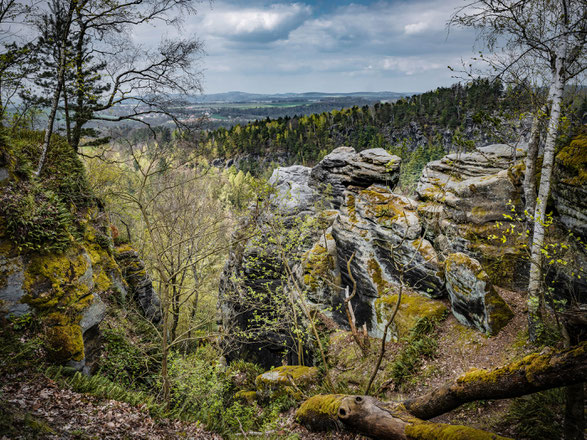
412 308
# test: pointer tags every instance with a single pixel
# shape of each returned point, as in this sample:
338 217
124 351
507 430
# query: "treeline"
306 139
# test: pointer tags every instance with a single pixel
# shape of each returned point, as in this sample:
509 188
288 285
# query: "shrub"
35 218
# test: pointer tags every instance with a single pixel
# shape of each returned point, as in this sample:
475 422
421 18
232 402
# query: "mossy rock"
412 308
65 342
249 397
278 381
320 412
473 298
59 279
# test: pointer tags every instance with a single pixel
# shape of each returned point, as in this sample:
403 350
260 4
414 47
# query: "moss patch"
441 431
411 309
320 412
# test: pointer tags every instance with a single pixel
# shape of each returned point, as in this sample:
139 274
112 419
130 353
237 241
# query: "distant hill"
236 96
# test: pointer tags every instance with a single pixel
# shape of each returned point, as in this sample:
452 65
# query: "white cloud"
415 28
255 24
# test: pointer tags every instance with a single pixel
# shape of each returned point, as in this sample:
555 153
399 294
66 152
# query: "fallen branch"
380 420
535 372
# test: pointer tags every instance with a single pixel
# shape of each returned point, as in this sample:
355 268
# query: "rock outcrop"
387 240
140 285
344 167
468 198
474 301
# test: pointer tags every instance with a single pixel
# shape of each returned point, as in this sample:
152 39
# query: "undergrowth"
538 416
420 344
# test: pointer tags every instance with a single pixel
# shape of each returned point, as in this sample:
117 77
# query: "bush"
538 416
128 363
35 218
203 390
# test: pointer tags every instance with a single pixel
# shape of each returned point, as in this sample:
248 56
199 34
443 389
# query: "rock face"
473 299
139 282
67 291
293 193
464 200
345 167
11 280
373 240
570 190
384 235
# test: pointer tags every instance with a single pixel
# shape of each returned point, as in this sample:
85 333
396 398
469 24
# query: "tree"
551 33
106 69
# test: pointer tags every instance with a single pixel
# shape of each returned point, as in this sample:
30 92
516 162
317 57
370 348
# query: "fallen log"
406 421
533 373
379 420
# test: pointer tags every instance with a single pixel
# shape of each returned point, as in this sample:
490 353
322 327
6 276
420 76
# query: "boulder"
473 298
412 308
384 235
344 167
292 191
466 199
11 290
278 381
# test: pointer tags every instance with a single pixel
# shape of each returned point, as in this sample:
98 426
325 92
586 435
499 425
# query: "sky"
326 45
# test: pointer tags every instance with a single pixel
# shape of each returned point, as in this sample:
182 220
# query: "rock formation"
386 239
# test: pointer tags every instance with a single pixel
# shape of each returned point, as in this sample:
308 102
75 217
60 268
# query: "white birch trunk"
535 292
530 165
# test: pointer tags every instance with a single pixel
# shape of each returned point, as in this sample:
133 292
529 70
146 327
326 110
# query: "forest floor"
33 406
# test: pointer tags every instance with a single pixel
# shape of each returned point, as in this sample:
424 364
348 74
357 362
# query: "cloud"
255 24
348 45
410 65
415 28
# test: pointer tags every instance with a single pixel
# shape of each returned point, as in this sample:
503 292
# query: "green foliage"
204 390
35 218
420 344
21 347
306 139
537 416
63 172
104 388
413 162
131 353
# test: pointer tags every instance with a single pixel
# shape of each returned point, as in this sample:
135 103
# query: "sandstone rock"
412 308
293 193
11 280
473 298
139 282
344 167
570 191
384 233
464 200
278 381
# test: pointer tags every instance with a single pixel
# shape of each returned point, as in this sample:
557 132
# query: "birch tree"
551 35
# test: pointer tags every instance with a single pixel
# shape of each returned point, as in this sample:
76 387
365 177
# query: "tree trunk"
378 420
403 421
59 88
536 372
530 165
535 294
